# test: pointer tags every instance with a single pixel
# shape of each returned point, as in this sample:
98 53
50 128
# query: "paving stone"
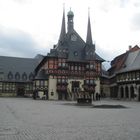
27 119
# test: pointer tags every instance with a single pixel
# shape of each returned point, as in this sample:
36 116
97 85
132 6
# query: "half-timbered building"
125 75
71 67
16 75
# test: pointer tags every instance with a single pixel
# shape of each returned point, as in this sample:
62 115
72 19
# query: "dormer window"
24 76
10 75
73 37
75 53
17 76
31 76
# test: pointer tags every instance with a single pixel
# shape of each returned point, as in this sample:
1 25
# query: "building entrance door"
75 89
20 89
75 86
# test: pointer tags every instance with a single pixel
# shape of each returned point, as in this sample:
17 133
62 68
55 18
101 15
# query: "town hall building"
72 68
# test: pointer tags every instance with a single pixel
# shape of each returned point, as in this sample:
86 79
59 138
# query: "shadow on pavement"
102 106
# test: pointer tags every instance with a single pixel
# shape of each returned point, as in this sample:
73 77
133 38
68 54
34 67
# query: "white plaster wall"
52 88
97 88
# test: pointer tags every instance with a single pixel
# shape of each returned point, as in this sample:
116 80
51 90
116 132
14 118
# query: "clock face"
73 37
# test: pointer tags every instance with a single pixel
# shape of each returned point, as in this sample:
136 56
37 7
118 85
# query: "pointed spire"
63 28
89 34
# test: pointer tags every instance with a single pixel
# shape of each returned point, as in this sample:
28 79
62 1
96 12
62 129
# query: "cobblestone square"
27 119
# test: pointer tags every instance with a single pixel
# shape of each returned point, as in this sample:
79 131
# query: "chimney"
130 47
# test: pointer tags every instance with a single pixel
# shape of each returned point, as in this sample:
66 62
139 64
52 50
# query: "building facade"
16 75
125 75
72 66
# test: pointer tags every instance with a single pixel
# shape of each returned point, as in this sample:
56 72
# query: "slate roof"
119 63
132 62
77 50
17 69
41 75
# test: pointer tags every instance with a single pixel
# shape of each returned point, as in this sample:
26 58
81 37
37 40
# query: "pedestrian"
97 96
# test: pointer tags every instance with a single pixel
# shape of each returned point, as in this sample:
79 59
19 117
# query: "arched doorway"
75 88
139 94
20 91
126 92
122 92
132 92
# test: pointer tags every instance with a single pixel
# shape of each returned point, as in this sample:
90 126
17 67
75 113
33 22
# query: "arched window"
24 76
10 75
31 76
17 76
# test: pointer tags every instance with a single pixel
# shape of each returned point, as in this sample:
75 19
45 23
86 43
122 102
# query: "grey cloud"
17 43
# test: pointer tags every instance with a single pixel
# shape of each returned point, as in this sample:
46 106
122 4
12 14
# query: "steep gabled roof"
72 46
132 62
75 48
41 75
99 58
120 62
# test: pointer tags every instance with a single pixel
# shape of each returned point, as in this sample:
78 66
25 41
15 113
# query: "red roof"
118 62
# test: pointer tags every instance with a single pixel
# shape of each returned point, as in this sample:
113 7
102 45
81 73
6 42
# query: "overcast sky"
28 27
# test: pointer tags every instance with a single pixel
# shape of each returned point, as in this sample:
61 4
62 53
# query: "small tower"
70 20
